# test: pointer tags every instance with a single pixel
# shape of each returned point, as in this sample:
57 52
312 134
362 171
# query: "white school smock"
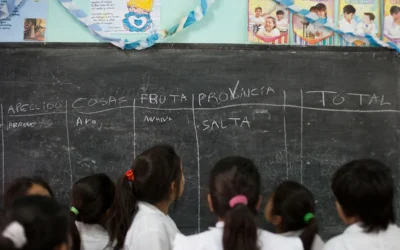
354 238
348 27
318 243
212 240
151 229
93 237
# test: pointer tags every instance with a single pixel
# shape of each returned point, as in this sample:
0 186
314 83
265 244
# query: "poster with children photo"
306 33
391 25
361 17
268 22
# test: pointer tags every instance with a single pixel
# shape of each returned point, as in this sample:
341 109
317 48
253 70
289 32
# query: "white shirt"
253 20
282 25
151 229
354 238
93 237
274 32
391 29
318 243
212 240
319 27
348 27
369 29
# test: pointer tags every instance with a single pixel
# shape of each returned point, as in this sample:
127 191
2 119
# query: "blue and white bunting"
193 16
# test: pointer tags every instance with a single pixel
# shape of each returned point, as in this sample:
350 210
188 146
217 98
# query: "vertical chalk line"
284 131
69 149
301 136
134 128
198 167
2 146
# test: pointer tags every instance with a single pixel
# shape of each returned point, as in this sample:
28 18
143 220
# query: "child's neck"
163 206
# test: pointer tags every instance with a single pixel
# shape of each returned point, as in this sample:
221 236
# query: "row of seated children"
134 213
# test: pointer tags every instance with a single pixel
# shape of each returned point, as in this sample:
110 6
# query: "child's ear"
259 203
210 204
63 246
172 190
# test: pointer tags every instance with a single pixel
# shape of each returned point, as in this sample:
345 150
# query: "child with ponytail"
33 223
138 218
234 196
290 208
91 198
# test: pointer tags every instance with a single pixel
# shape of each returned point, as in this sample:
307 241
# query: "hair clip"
74 210
308 217
129 174
16 233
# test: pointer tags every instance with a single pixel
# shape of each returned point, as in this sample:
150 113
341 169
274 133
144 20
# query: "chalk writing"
223 124
90 102
44 107
157 119
161 99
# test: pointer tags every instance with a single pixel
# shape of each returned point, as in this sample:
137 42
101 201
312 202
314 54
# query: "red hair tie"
129 174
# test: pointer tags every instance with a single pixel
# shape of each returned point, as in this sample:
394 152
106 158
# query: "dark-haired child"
33 223
138 218
348 24
289 208
256 20
281 22
234 196
364 194
26 186
367 26
92 196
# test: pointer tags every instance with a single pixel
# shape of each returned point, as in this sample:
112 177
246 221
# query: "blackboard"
70 111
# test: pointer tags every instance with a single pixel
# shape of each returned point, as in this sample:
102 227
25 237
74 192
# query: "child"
317 29
138 218
26 186
256 21
34 223
281 23
287 207
364 193
92 196
269 29
234 196
348 24
392 23
367 26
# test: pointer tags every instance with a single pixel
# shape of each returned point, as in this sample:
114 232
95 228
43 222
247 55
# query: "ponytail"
309 232
240 230
121 213
73 230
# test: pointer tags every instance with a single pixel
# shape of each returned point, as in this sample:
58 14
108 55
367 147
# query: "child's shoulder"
204 240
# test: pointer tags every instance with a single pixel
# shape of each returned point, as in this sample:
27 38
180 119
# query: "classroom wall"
226 22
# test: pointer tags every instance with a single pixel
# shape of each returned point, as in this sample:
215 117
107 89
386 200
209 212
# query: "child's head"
235 197
368 18
92 196
364 193
279 15
35 222
270 23
321 10
288 205
258 11
156 177
348 12
313 9
26 186
395 12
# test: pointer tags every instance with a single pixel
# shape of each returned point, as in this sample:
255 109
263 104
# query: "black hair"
292 201
258 8
349 9
44 221
92 196
364 189
313 8
370 15
320 6
154 171
234 176
394 9
280 12
19 187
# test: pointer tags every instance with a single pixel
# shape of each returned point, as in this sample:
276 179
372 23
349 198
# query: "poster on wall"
391 26
305 33
359 17
27 24
126 16
268 22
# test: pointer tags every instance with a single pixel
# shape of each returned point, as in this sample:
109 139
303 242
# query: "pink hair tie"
238 199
